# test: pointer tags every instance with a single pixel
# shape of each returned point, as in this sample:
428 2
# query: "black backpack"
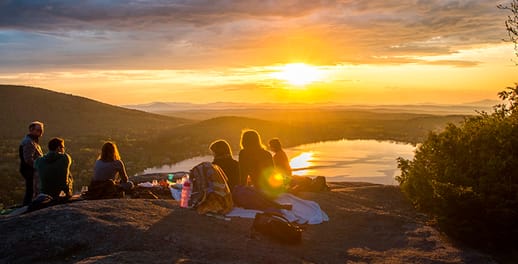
276 227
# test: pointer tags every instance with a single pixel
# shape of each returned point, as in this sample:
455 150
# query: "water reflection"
302 162
350 160
342 160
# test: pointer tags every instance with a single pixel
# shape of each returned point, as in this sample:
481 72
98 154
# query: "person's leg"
126 186
28 176
250 198
40 202
35 185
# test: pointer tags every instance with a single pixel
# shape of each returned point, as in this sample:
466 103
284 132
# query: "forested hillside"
147 140
70 115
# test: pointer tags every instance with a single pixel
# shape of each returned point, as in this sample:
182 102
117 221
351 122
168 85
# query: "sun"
298 74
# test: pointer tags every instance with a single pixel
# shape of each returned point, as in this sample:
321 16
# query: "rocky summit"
368 223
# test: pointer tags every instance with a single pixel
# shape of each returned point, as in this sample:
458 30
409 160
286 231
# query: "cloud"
117 14
455 63
379 25
197 34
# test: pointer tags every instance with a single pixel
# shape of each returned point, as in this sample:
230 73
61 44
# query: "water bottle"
170 178
186 193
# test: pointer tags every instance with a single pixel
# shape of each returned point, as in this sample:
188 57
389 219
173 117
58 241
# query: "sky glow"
347 52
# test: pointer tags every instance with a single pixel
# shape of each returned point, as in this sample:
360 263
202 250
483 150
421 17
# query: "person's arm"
70 182
270 159
243 169
122 172
277 160
234 173
67 181
28 153
36 163
284 163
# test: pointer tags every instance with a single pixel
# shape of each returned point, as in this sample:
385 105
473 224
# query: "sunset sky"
347 52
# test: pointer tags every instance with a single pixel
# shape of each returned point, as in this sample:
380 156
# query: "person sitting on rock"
280 159
110 179
223 158
255 162
55 179
54 171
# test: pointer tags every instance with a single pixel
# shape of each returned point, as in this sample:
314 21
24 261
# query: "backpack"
276 227
210 191
307 184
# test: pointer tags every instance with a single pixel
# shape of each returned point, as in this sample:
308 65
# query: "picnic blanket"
302 212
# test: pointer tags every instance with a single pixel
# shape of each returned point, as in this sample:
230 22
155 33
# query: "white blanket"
303 211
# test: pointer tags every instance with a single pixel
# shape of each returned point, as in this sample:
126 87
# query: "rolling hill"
69 115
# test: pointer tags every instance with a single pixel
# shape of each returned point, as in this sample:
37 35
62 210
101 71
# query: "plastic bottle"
170 179
186 193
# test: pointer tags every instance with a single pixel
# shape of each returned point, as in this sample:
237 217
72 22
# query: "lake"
342 160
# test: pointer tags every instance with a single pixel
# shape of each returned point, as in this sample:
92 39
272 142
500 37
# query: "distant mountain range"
427 108
183 106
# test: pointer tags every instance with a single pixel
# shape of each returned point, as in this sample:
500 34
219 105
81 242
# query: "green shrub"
467 176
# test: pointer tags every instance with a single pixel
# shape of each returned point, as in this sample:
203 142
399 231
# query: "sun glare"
298 74
276 180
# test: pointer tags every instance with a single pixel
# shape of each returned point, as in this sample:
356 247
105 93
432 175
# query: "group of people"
49 174
257 177
255 166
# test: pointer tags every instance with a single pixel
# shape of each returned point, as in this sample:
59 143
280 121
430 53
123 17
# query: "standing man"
53 170
29 151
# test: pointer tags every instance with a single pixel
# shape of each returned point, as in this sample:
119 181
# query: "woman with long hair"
255 161
110 177
280 159
109 152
